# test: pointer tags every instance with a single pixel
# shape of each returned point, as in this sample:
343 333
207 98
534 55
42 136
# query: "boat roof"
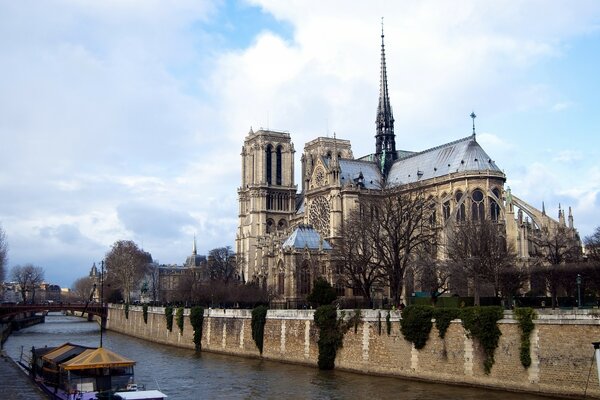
97 358
142 395
64 352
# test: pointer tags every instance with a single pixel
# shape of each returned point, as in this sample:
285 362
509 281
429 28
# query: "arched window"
460 207
477 207
268 162
281 280
278 167
432 211
494 207
304 281
445 208
270 225
340 288
282 224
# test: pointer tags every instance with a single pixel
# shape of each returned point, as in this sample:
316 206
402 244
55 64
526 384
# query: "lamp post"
578 281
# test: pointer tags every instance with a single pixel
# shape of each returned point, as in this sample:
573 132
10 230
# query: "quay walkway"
14 383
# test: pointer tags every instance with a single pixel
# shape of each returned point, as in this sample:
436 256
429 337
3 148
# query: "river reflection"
183 374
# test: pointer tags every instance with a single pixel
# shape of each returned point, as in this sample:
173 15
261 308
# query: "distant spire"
384 138
473 116
543 208
571 224
194 246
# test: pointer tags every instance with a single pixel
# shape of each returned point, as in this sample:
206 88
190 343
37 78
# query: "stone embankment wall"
561 350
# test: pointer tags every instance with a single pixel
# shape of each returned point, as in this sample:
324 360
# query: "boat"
75 372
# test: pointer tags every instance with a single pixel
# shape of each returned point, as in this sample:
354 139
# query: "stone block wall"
561 350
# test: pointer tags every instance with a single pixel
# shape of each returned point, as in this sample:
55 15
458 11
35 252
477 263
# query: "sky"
124 119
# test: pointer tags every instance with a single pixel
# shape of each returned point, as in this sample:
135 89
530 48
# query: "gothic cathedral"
285 236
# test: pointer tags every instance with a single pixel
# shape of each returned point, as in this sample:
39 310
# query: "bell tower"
267 195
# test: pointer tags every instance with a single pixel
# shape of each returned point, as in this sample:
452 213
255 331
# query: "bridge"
11 310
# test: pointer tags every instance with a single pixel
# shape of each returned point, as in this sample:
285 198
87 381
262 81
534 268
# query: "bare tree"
592 245
222 265
400 226
355 253
3 254
553 248
28 277
83 288
480 249
125 266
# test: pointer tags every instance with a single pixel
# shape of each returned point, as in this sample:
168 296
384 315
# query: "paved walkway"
14 384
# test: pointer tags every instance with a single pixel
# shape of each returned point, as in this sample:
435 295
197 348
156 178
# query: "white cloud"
115 110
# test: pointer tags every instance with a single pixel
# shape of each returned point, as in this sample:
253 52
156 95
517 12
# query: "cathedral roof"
305 236
459 156
353 171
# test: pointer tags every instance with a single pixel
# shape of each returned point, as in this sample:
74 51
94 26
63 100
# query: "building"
285 237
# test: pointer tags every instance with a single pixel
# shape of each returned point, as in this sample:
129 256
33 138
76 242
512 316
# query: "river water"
183 374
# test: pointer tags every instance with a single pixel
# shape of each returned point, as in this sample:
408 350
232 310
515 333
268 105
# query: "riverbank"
561 351
15 383
6 328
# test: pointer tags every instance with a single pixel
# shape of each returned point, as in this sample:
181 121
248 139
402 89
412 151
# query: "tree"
3 254
401 223
125 266
480 250
355 253
322 294
83 288
553 248
28 277
222 265
592 245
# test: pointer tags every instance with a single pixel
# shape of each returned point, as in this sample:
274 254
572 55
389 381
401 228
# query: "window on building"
460 207
281 283
304 281
446 210
477 206
494 207
268 162
278 166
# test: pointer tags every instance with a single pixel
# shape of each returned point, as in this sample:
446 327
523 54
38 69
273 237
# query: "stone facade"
561 349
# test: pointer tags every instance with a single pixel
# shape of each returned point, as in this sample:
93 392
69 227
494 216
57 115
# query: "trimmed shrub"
169 317
322 294
179 318
416 324
197 321
525 317
482 323
259 318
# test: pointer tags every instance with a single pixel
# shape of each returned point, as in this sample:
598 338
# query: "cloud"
124 119
568 156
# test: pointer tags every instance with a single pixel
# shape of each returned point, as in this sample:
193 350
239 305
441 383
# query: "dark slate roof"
459 156
305 236
352 169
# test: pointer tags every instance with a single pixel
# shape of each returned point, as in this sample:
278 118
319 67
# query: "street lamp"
578 281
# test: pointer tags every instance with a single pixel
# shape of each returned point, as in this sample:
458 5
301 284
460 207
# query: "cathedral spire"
194 246
385 142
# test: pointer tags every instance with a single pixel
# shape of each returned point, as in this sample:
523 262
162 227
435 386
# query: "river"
183 374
